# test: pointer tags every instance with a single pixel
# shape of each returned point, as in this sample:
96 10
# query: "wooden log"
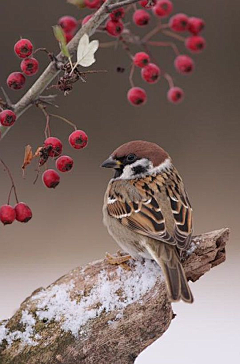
101 313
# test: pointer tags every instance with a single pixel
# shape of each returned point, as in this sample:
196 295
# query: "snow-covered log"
101 313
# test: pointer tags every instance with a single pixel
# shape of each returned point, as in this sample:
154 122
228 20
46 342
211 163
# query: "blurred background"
201 135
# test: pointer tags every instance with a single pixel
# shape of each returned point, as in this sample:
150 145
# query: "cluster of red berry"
16 80
141 17
53 148
20 212
29 65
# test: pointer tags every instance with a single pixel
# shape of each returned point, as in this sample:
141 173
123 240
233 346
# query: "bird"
147 211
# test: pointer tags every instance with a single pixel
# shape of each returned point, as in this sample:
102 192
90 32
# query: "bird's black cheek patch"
139 169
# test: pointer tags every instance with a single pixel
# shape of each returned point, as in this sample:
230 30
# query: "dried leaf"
60 36
28 156
86 50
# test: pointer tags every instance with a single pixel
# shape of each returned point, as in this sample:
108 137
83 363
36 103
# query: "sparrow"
147 211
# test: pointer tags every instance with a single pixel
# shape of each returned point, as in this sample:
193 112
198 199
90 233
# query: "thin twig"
8 101
169 80
11 178
110 8
9 195
151 33
173 35
165 44
131 75
64 119
107 44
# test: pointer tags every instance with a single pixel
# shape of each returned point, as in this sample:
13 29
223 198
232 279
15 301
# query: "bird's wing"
137 205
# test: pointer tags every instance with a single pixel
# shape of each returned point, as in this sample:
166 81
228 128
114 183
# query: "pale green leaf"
60 36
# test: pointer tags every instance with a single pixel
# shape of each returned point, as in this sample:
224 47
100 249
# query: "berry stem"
151 33
47 131
131 75
9 195
173 35
169 80
108 44
165 44
64 119
126 47
11 178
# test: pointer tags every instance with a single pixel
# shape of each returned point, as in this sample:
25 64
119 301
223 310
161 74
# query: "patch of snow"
112 293
26 337
3 333
106 296
192 247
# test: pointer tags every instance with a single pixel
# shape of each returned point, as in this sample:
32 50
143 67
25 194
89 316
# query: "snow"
26 337
112 293
192 248
109 294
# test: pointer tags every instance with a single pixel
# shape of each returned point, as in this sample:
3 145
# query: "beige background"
201 135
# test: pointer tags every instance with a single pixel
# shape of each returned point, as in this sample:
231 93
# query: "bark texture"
115 334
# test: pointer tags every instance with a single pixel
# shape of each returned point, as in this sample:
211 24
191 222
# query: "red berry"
55 146
184 64
64 163
141 17
85 20
117 14
7 214
147 3
175 95
195 25
23 48
92 4
16 80
7 117
137 96
114 28
141 59
179 22
78 139
195 43
151 73
23 212
29 66
51 178
163 8
68 37
68 23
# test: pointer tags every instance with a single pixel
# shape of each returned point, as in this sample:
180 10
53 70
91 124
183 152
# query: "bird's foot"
118 260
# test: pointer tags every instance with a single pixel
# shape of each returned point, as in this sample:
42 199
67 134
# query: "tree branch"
101 313
51 72
110 8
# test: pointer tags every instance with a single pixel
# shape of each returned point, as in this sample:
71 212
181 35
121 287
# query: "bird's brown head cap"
142 149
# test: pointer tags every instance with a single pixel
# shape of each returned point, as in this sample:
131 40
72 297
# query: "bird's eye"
131 157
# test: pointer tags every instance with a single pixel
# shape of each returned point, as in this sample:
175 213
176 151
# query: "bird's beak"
111 163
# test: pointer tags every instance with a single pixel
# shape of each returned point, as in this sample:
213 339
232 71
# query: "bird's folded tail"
167 257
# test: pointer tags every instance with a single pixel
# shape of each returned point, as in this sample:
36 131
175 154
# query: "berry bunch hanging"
166 26
124 19
20 212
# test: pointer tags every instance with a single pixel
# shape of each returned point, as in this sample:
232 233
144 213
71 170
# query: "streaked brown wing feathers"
142 213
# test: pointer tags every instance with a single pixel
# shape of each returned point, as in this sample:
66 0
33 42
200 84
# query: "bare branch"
51 72
110 8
